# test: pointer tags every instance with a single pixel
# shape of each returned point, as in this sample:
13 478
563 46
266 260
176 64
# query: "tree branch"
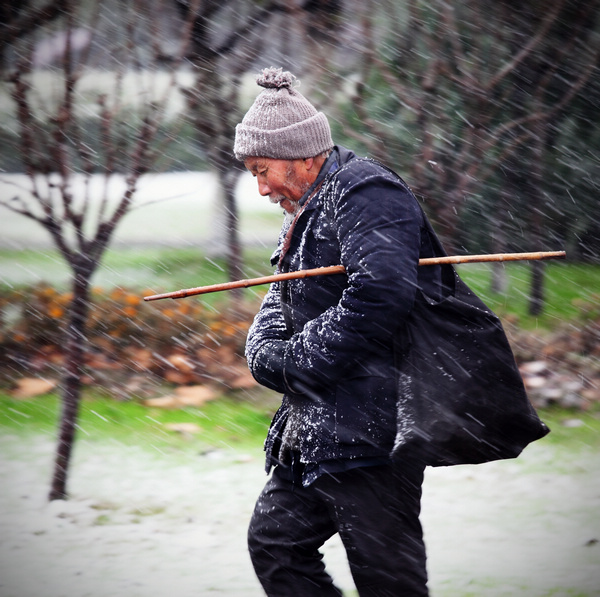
34 19
510 66
23 210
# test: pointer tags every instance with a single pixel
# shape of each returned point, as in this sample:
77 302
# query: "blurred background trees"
477 105
490 112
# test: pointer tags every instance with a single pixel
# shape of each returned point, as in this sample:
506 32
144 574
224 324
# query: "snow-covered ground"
145 524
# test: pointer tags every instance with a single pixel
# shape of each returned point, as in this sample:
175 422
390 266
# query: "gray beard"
288 217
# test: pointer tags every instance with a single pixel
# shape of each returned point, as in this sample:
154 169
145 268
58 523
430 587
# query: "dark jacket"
327 343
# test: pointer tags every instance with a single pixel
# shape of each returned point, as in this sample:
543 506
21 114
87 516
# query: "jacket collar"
337 158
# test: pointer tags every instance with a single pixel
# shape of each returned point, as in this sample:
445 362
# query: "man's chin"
291 207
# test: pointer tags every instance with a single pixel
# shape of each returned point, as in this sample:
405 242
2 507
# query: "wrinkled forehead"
255 164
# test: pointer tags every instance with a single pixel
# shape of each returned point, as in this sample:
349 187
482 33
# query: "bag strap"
448 271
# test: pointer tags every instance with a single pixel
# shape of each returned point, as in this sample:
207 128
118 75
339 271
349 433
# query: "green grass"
167 270
225 424
577 430
158 269
565 284
164 270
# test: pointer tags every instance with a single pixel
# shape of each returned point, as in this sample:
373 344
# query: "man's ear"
308 163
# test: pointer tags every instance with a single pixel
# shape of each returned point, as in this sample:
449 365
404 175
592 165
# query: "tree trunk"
446 221
229 180
499 282
71 386
536 298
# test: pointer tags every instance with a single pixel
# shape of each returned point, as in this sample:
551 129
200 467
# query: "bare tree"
441 89
213 100
226 42
217 42
57 145
461 95
546 83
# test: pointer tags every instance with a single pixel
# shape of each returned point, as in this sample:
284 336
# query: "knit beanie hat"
281 123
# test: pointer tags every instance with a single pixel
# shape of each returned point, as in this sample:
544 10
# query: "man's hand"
268 363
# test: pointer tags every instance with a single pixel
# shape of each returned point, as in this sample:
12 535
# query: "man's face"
283 181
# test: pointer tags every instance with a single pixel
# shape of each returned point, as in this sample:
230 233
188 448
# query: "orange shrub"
123 328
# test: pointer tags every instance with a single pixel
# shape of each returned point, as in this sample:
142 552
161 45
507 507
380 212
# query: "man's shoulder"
355 169
351 164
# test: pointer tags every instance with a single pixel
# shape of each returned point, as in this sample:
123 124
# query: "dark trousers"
375 510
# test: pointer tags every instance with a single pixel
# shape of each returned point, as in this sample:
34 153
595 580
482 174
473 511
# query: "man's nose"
263 188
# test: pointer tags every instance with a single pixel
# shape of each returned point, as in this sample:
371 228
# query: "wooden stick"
339 269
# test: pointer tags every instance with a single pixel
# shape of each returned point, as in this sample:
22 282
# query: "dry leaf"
184 428
28 387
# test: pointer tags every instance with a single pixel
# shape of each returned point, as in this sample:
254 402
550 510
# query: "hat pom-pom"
275 78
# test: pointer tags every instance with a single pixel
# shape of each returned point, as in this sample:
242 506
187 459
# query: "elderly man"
328 344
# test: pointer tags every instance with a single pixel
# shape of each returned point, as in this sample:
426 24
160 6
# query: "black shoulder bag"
461 399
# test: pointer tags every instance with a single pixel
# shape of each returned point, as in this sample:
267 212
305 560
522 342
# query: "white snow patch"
149 524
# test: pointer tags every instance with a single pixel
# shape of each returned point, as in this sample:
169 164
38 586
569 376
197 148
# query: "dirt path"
141 523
